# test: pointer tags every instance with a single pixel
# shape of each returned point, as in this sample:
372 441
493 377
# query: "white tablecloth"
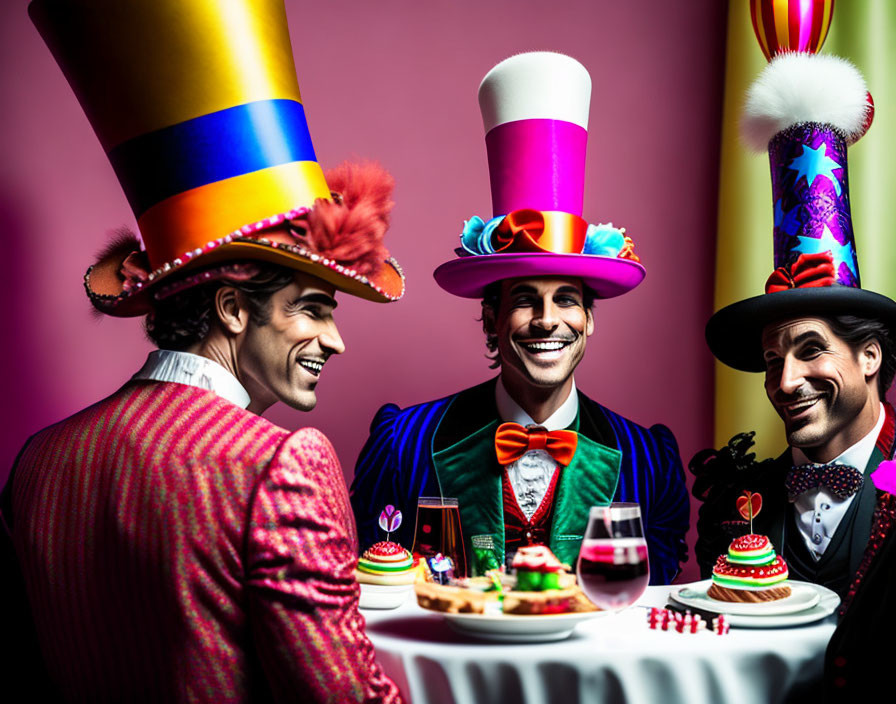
615 659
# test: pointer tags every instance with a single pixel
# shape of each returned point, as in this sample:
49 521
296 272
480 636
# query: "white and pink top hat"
535 112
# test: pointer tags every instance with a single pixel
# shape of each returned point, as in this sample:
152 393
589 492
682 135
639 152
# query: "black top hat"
804 109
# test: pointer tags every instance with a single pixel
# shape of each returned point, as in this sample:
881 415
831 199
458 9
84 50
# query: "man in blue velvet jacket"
504 448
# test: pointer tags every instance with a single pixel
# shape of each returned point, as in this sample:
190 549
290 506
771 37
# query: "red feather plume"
351 227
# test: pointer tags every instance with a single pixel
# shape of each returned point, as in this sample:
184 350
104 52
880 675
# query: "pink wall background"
396 81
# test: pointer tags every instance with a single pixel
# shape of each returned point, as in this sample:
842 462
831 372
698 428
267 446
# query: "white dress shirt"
819 512
193 370
530 475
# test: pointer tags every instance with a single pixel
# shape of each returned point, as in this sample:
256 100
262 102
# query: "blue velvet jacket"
396 466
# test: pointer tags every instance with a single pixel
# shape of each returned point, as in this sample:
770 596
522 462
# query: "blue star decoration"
788 222
813 163
828 243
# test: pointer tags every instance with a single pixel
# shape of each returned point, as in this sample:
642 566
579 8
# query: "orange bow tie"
512 441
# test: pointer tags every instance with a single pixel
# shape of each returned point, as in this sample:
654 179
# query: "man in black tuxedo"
824 343
826 378
827 349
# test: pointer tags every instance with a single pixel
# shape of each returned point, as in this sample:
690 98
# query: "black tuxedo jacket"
722 476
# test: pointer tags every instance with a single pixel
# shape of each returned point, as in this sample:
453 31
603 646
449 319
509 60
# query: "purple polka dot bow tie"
841 480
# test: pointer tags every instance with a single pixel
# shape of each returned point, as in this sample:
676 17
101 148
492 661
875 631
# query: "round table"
615 658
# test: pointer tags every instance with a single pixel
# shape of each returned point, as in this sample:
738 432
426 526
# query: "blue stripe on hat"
210 148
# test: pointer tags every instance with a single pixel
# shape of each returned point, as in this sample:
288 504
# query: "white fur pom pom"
800 87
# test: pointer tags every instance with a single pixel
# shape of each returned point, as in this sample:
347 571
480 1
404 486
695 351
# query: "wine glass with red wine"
612 568
438 531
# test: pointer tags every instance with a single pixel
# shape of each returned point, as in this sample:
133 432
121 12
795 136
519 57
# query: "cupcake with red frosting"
386 574
750 572
385 570
385 563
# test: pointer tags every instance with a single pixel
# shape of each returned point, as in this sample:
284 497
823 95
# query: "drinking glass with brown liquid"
438 531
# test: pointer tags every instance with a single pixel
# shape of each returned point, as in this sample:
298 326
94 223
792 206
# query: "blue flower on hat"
477 235
604 240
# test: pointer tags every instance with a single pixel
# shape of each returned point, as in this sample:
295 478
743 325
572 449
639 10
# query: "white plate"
802 596
510 628
384 596
806 604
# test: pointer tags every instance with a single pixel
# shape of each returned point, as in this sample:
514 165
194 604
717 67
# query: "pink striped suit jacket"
177 548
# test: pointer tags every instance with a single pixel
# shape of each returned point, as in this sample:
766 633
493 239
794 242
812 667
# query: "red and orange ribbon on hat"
540 231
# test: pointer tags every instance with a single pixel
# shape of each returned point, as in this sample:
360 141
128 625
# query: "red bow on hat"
535 231
512 441
808 271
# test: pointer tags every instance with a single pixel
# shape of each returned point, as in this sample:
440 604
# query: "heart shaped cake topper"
749 504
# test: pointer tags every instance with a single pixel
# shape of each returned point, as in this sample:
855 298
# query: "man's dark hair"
856 332
491 299
185 318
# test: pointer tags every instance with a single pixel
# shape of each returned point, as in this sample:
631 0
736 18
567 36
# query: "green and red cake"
544 585
751 571
385 563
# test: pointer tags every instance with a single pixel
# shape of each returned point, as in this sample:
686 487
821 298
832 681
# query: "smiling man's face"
541 325
824 390
282 359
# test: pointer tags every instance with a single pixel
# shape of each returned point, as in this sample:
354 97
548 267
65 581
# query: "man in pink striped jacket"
175 545
170 544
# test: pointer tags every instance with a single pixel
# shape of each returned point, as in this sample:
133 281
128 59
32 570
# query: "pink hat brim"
606 276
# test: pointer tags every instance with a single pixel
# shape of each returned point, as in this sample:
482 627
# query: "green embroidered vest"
469 471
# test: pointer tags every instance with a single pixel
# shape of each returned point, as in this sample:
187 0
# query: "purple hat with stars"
805 109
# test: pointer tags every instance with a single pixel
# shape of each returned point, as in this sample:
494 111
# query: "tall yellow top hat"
197 106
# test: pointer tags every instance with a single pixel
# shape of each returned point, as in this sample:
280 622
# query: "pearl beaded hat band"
198 108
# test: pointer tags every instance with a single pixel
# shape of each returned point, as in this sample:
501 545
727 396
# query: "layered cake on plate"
751 571
385 572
